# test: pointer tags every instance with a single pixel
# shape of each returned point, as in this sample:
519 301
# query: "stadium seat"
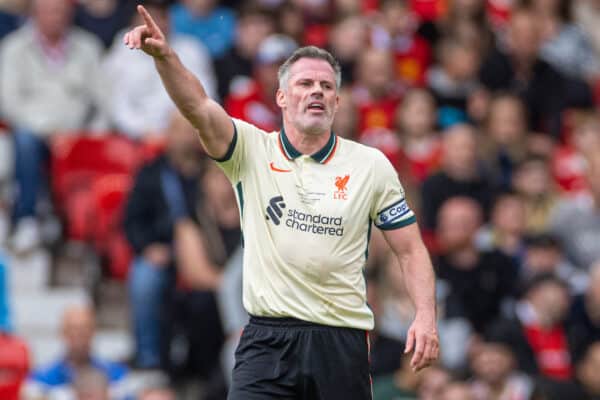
91 176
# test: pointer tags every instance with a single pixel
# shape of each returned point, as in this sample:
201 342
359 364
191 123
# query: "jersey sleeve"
233 162
389 209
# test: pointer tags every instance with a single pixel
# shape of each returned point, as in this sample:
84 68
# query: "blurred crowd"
488 109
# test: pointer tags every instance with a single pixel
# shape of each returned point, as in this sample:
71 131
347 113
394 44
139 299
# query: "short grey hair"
309 52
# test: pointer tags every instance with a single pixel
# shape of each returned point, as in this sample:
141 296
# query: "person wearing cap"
253 100
307 201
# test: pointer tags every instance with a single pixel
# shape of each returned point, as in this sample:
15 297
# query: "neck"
305 143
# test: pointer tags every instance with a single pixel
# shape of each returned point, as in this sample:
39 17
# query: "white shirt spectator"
139 104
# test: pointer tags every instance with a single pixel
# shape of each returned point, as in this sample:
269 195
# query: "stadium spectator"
396 32
50 79
376 95
78 329
543 255
453 78
532 181
433 382
518 68
569 160
211 24
538 333
505 137
495 376
104 18
347 39
584 317
201 251
253 100
171 179
255 23
564 45
459 175
588 374
140 108
478 282
14 365
421 147
506 229
577 223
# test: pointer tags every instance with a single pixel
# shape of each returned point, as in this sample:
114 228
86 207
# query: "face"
460 149
462 63
542 259
532 179
551 301
78 332
506 122
310 99
183 145
432 384
509 215
524 37
458 220
492 363
417 114
376 71
251 31
158 394
53 17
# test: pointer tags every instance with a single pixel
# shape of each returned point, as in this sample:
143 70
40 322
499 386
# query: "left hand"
423 339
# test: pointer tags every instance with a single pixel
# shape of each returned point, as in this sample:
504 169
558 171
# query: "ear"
337 103
280 99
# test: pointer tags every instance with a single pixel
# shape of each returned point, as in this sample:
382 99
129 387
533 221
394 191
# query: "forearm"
183 87
420 280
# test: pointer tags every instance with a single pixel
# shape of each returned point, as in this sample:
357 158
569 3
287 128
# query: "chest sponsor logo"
316 224
340 184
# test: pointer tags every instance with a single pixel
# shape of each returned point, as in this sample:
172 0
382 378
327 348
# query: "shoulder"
15 41
361 152
113 371
54 374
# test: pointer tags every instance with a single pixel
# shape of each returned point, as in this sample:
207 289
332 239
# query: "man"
50 82
65 376
298 190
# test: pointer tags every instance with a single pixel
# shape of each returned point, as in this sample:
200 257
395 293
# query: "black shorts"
285 358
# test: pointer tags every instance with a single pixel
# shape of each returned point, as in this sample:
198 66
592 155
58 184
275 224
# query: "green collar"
321 156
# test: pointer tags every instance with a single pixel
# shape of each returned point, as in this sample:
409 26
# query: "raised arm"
420 282
206 115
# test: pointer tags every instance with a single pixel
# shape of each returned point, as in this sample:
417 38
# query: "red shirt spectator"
14 366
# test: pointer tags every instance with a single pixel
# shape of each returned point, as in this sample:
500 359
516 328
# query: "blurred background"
120 248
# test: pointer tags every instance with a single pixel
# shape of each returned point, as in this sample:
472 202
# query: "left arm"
418 273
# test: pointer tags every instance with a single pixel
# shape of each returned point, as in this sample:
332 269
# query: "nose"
316 90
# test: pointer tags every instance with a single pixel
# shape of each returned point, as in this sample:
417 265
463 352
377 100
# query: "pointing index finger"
148 19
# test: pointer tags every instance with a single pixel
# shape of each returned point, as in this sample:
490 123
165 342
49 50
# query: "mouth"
316 106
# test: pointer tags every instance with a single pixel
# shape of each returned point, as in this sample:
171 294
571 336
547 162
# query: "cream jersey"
306 221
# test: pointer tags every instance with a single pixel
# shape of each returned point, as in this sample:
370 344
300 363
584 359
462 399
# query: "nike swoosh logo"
274 168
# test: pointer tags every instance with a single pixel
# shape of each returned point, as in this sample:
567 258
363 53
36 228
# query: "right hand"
157 254
147 37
